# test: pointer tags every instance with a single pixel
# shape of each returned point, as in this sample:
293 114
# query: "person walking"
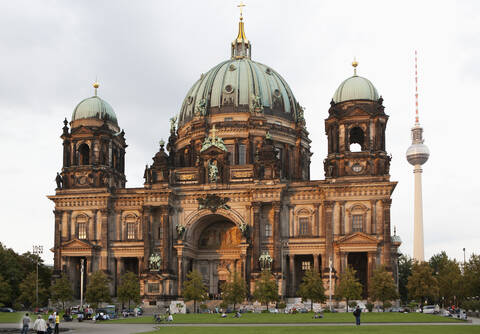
25 323
57 324
40 325
357 314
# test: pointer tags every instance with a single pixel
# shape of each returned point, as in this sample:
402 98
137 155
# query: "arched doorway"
216 250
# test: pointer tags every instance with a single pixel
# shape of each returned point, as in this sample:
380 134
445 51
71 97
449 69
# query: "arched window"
82 222
130 227
357 139
84 154
268 230
304 226
357 216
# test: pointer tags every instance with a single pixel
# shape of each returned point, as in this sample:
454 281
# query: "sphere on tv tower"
418 152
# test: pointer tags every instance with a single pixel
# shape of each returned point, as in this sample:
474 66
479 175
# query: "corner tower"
356 132
94 147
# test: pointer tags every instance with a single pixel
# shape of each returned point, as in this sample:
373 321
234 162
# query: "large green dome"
240 85
235 85
94 107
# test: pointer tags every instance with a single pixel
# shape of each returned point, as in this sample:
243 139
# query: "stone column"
328 209
57 242
164 225
276 237
342 218
69 224
316 229
337 212
373 214
147 232
370 265
387 250
256 236
104 238
179 273
291 259
291 222
315 262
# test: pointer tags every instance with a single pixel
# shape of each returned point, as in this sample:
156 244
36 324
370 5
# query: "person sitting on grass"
237 315
170 317
224 315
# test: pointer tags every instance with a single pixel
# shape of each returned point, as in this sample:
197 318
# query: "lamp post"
330 281
82 264
37 250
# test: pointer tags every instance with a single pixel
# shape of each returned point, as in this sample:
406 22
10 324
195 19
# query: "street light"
82 265
330 281
37 250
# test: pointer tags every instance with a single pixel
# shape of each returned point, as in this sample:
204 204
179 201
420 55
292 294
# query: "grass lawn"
424 329
269 318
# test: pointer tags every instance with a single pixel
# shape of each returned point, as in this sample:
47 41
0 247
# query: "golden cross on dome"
241 5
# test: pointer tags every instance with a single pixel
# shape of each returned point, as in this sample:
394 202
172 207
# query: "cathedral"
230 192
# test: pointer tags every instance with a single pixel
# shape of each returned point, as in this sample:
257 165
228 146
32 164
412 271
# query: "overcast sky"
147 54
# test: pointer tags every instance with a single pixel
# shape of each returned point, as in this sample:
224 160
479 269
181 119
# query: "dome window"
229 89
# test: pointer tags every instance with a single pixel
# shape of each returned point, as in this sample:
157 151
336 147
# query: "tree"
129 289
61 291
312 288
349 287
97 289
235 291
382 287
28 288
194 289
266 289
404 271
472 276
15 267
5 292
421 283
450 282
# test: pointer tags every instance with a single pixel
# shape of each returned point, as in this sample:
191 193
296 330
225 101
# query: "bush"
369 307
265 311
386 305
203 306
352 304
224 305
281 305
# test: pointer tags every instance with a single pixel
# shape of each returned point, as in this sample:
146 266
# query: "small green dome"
94 107
355 88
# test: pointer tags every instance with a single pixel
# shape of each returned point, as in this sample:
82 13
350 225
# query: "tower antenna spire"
417 122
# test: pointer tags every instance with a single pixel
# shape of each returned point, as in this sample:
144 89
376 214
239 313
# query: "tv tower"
417 155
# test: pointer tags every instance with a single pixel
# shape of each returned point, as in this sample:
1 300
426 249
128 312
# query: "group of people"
40 325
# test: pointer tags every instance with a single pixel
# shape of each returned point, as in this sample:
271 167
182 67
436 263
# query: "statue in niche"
201 108
256 106
155 261
212 171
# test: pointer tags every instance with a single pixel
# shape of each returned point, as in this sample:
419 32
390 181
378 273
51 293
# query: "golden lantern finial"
241 5
354 64
96 85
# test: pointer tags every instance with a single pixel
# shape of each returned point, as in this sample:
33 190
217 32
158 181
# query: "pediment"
357 238
213 151
82 131
77 244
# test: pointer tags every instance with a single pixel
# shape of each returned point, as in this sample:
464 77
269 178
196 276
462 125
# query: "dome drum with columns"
229 189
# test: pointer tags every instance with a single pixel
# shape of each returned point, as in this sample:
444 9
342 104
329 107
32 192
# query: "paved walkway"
106 328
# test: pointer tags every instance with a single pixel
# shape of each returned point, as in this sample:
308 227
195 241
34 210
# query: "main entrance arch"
216 249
